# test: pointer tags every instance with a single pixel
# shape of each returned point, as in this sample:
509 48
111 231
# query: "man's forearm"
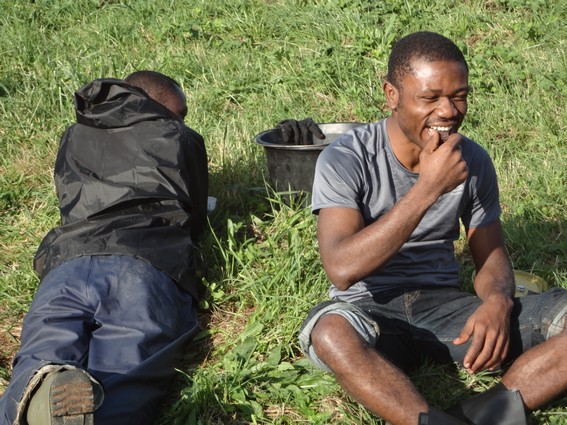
360 254
495 277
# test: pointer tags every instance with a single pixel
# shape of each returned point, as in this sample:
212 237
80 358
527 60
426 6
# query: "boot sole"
71 399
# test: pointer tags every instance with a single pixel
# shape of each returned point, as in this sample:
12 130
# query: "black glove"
300 132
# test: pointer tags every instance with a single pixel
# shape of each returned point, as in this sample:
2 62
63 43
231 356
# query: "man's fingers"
472 354
434 141
454 141
465 334
476 344
500 352
486 358
462 338
487 353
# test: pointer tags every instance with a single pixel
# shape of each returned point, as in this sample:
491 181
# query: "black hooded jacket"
131 179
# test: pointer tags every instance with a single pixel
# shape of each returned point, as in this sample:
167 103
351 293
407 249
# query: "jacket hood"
113 103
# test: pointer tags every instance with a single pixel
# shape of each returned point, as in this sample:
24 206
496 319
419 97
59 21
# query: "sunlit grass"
245 66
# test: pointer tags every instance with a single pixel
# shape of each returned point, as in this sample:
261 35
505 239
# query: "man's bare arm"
489 326
349 251
494 271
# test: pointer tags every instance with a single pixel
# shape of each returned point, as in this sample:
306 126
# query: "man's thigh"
420 324
57 325
140 311
407 328
144 322
384 322
436 318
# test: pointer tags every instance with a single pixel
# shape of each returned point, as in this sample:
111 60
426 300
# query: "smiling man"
389 197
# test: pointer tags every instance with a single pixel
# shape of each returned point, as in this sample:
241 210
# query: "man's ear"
392 95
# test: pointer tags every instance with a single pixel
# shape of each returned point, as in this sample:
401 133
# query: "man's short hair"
158 86
426 45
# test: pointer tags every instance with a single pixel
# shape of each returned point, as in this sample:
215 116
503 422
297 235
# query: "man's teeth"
441 128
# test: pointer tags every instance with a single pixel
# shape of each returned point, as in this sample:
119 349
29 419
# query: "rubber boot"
436 417
497 406
65 397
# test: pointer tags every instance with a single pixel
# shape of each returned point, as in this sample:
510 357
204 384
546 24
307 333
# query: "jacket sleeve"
199 181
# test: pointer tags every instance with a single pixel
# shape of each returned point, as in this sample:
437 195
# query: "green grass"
245 65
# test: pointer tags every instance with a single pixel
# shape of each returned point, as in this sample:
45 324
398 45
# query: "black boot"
497 406
436 417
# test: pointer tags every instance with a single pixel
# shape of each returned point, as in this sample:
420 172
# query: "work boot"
436 417
497 406
65 397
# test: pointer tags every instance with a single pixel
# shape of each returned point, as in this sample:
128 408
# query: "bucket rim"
286 146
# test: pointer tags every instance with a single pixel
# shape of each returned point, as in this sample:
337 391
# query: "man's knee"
327 331
334 334
330 328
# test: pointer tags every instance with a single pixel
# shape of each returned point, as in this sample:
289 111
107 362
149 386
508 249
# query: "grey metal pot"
292 167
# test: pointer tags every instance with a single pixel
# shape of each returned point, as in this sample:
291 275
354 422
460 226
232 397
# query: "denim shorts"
408 327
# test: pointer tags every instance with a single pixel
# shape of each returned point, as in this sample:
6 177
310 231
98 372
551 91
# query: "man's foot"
65 397
496 406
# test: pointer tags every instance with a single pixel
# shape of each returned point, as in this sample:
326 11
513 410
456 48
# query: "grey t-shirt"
359 170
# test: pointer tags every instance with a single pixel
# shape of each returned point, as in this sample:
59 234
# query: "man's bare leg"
540 374
369 378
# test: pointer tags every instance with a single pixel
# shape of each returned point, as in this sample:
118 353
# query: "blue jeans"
120 319
411 326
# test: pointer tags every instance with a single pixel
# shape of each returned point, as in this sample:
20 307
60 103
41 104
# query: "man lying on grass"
389 197
116 301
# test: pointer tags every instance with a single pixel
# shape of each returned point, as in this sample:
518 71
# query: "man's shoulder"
367 132
474 151
361 140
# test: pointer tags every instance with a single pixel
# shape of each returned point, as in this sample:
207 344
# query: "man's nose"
446 108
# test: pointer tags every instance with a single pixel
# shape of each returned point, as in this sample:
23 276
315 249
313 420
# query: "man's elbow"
340 277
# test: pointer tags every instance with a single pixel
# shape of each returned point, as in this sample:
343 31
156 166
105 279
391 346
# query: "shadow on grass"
196 352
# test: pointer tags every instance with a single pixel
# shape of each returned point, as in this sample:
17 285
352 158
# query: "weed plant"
245 65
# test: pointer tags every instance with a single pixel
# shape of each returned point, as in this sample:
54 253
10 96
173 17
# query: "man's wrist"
425 193
504 299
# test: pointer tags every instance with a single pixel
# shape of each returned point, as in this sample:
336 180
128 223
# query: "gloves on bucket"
299 132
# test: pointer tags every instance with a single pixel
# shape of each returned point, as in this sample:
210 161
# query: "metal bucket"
292 167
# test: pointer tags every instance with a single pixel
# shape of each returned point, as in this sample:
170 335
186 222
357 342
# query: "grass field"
245 65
